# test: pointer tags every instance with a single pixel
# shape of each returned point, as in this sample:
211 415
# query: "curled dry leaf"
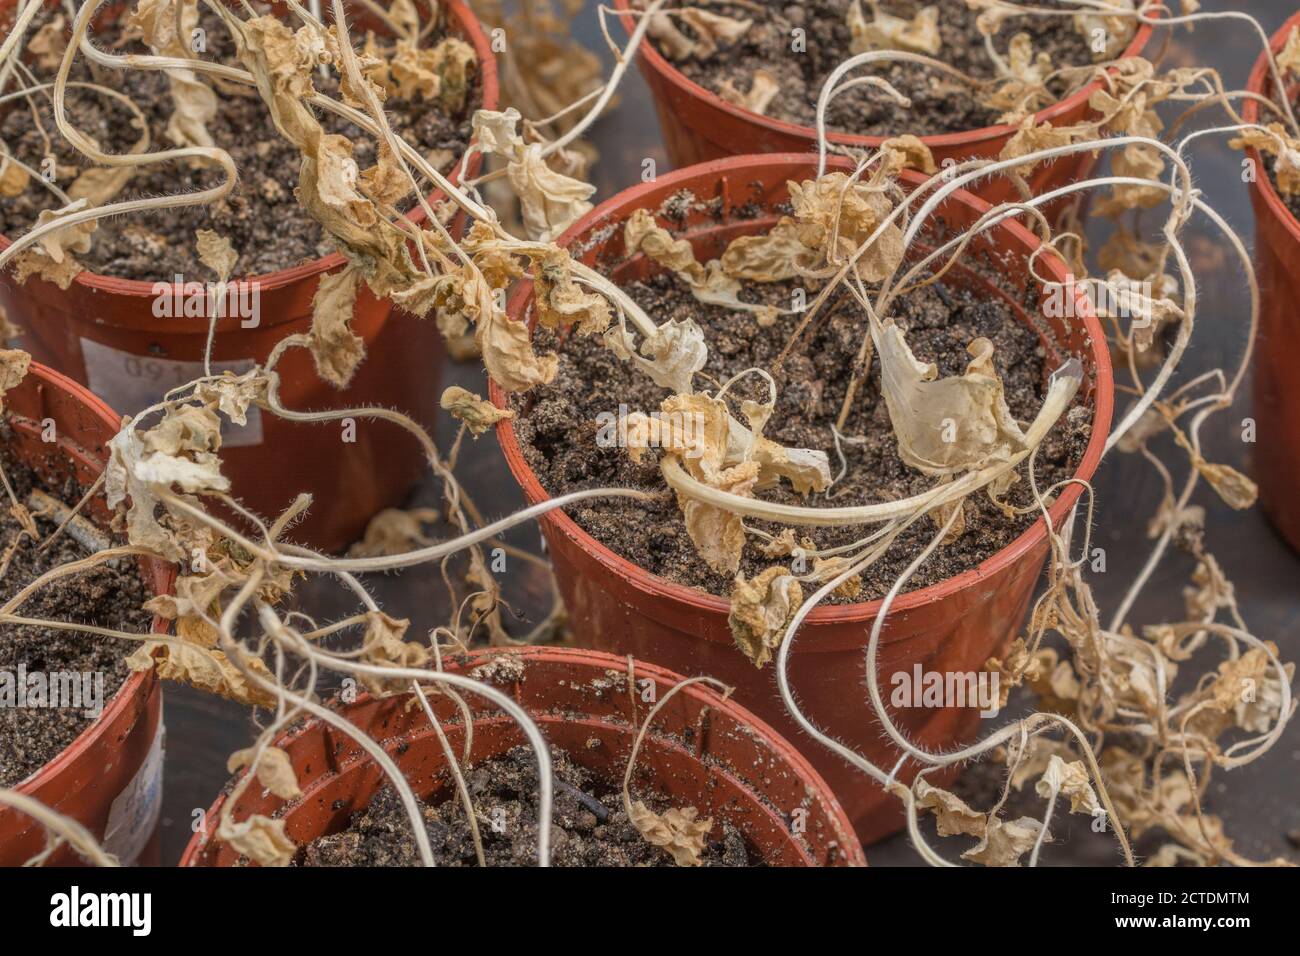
549 201
1148 304
1116 28
561 302
945 425
1032 137
992 14
1038 754
1024 65
505 344
780 546
1275 141
478 414
274 770
166 26
233 395
259 838
762 90
906 152
1006 841
1127 106
719 535
467 296
499 267
1054 681
61 244
884 31
676 830
282 63
1072 780
13 369
385 646
336 349
1289 57
13 178
952 815
1137 161
940 515
671 356
48 44
216 252
773 256
53 256
709 283
1237 491
760 610
720 452
836 218
1018 666
1250 689
394 531
711 32
806 469
179 451
1145 801
204 668
443 72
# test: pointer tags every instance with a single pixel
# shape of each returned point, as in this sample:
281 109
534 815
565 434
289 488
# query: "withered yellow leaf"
259 838
884 31
336 349
760 610
216 252
478 414
677 831
274 770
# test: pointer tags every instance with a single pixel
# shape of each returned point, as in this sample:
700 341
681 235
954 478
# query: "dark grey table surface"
1259 802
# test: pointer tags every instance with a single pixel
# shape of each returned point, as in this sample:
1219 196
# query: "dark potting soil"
261 218
939 104
105 596
589 826
557 428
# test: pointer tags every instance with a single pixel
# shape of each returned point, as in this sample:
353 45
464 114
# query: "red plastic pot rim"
651 584
139 683
1260 82
970 138
268 282
599 661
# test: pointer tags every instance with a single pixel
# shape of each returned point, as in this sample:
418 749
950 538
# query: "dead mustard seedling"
1113 741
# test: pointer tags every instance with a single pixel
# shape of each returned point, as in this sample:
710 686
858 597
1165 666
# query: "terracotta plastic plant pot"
110 778
698 125
702 750
1277 387
103 332
954 626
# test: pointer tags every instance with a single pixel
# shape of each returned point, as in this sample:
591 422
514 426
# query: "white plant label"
133 817
129 383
